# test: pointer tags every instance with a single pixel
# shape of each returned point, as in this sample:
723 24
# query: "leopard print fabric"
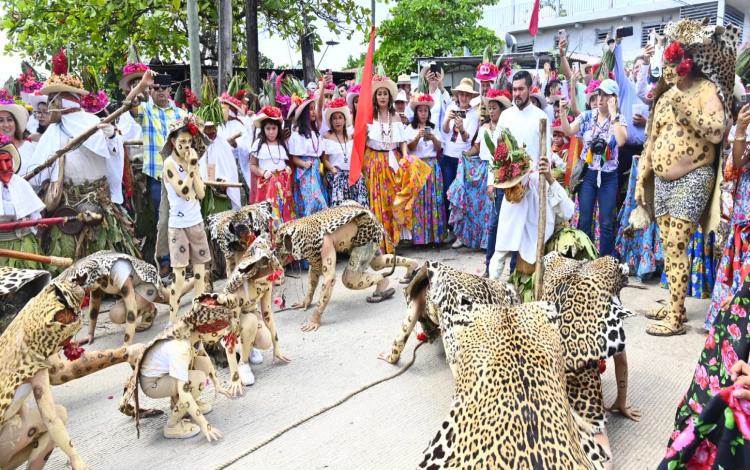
303 238
96 268
586 294
258 256
37 332
17 287
13 279
225 227
510 408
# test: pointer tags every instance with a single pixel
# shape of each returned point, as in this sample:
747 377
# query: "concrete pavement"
385 427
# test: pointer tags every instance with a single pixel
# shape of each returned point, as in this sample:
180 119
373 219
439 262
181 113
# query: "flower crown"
676 55
355 89
495 93
229 99
379 78
557 122
270 112
487 71
5 97
337 103
136 67
95 102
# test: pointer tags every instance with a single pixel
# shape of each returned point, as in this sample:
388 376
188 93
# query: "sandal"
657 314
663 328
378 297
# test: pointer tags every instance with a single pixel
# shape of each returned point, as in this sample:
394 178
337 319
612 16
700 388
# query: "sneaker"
183 429
204 406
457 244
246 374
256 357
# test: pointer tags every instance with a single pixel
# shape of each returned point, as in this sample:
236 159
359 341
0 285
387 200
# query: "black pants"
624 163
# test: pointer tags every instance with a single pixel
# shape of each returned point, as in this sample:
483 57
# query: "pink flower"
701 377
682 440
728 356
711 340
712 361
738 310
695 406
279 302
734 330
704 456
713 383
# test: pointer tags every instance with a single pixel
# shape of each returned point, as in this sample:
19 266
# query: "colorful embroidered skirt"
734 260
278 190
309 192
340 191
429 222
471 207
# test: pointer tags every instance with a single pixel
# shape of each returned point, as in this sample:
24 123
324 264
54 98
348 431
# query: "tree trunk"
251 36
225 44
194 44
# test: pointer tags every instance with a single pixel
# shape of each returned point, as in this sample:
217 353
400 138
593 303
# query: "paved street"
385 427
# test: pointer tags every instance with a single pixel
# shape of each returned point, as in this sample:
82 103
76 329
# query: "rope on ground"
322 410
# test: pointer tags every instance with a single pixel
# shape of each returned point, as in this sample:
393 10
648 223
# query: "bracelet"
740 139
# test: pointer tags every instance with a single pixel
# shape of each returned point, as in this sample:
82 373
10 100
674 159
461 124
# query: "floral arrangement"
68 80
506 67
95 102
380 78
28 82
495 93
423 98
190 97
355 89
4 140
675 54
337 103
192 128
487 71
230 100
593 85
271 112
136 67
5 97
509 160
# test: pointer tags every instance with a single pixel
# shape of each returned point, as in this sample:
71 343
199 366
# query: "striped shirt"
155 123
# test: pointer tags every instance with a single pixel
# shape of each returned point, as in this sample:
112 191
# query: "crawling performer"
252 280
175 366
29 433
317 238
184 188
135 281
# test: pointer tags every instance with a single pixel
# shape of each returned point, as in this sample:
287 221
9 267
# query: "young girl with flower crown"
269 162
305 146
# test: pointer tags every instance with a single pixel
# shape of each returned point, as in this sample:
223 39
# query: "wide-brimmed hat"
132 71
60 81
404 79
352 93
338 105
466 86
381 81
401 96
6 145
486 72
19 113
421 99
191 124
267 112
500 96
535 93
296 109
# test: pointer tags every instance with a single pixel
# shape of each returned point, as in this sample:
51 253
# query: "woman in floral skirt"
305 146
429 222
337 156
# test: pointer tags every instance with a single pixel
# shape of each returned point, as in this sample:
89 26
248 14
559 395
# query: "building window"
646 30
601 34
528 47
735 17
700 11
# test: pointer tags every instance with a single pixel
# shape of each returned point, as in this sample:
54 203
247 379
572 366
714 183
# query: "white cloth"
129 128
302 146
120 272
19 199
220 154
484 151
518 222
441 100
168 357
453 148
339 155
270 157
425 147
386 137
26 151
245 126
182 213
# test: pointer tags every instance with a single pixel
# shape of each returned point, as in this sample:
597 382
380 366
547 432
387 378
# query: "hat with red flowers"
192 124
268 112
420 99
61 81
500 96
338 106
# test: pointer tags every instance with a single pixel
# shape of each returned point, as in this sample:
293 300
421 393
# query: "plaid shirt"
155 123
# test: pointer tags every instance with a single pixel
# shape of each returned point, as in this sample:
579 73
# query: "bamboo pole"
542 226
22 255
80 139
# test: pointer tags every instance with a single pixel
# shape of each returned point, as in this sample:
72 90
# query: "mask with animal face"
6 167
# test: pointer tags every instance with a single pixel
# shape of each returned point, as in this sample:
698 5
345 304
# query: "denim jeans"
606 195
449 168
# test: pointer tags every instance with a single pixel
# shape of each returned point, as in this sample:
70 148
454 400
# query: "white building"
589 21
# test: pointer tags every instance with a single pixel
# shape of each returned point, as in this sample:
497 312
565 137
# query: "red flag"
364 114
534 23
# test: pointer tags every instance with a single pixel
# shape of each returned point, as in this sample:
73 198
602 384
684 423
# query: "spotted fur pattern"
224 226
96 268
258 256
13 279
510 408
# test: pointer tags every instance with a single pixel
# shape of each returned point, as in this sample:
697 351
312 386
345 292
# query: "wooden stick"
78 140
222 184
53 260
542 227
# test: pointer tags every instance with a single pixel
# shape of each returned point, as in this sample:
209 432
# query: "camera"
461 114
427 130
598 146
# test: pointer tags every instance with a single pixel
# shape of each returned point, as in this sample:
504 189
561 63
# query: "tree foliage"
431 28
99 32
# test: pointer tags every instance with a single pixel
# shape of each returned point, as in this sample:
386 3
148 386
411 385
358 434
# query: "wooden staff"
542 227
22 255
222 184
78 140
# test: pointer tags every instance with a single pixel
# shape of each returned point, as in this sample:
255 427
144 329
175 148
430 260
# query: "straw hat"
500 96
401 97
19 113
132 71
191 124
535 93
7 146
267 112
380 81
60 81
297 109
467 86
404 80
420 100
338 105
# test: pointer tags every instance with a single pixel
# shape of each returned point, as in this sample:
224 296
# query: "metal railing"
516 12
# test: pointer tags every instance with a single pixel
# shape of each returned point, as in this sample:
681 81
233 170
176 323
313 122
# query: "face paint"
670 75
183 143
6 167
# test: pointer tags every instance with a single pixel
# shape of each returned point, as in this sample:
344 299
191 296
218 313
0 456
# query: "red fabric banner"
534 23
364 114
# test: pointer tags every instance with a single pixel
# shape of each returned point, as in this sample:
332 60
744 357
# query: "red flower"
192 128
71 350
515 169
421 336
501 152
276 275
602 366
685 67
500 175
494 93
425 98
704 456
674 53
270 111
337 103
728 356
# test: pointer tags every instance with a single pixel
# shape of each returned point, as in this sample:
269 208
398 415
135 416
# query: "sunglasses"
160 88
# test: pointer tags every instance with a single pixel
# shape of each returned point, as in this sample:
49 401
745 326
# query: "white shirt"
168 357
271 157
454 147
441 100
302 146
219 154
182 213
339 154
19 200
385 137
524 125
425 147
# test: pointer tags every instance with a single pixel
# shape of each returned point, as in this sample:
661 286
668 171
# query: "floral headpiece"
675 55
190 97
60 72
5 97
192 128
231 100
495 93
424 98
355 89
337 103
593 85
28 83
487 71
95 102
270 112
297 100
379 78
136 67
330 86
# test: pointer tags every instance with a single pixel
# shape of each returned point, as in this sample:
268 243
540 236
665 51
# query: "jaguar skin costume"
678 177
